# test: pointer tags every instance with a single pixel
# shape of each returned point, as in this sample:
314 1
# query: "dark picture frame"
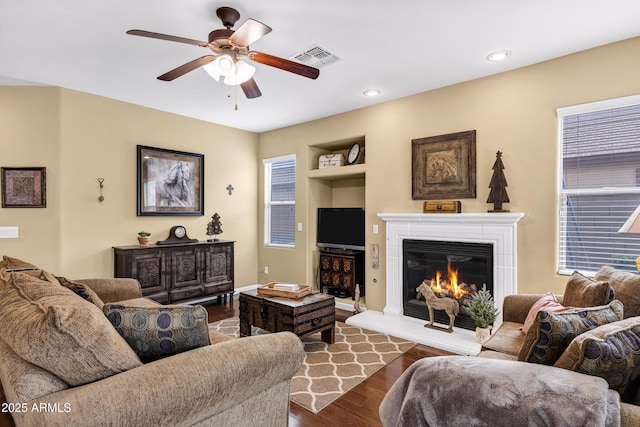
169 182
444 166
24 187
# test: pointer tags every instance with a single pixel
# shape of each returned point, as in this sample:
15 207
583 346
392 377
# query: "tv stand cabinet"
340 271
179 273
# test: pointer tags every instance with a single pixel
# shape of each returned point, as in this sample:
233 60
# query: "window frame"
562 193
268 203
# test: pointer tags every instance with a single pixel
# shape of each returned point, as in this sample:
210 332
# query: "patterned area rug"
330 370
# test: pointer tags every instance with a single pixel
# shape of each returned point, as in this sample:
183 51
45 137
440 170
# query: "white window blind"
600 185
279 201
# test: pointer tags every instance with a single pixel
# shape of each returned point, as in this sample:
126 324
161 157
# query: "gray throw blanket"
470 391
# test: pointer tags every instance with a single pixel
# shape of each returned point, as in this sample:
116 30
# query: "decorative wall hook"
101 181
230 189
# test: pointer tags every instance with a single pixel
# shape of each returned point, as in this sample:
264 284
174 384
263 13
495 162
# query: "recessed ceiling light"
371 92
498 55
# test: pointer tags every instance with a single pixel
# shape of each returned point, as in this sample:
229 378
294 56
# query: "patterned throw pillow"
83 291
582 291
610 351
548 303
155 332
551 333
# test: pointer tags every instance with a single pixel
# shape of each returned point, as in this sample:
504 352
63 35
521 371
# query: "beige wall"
81 138
513 112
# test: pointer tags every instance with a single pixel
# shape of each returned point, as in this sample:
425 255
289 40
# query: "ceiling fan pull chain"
236 92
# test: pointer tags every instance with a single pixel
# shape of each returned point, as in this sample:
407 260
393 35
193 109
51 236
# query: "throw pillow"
551 333
25 381
50 327
15 263
609 351
82 290
627 288
548 303
582 291
159 331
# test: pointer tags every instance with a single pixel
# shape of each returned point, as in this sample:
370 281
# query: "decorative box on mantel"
331 160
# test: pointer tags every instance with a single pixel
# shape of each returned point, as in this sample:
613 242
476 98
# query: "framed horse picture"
169 182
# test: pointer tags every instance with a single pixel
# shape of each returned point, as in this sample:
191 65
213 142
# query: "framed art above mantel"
444 166
169 182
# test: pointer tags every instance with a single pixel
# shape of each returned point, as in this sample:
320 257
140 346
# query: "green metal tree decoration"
498 186
214 227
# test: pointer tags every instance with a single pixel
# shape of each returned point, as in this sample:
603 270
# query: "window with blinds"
279 201
599 188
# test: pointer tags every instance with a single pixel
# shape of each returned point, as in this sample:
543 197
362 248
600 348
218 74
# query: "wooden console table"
181 273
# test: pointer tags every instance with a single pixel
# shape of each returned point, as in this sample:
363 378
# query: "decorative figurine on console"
449 305
214 227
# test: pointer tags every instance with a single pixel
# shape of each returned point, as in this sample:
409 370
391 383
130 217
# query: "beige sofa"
505 389
239 382
508 341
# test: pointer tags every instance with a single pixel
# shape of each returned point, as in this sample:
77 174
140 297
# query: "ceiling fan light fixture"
243 73
224 65
212 71
498 55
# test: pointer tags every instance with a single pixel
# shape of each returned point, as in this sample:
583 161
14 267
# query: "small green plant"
481 308
144 234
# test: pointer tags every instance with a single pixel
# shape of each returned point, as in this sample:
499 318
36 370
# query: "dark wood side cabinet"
182 273
340 270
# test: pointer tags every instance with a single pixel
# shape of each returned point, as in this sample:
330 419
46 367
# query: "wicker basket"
269 290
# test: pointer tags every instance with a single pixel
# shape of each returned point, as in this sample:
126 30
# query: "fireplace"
451 269
496 229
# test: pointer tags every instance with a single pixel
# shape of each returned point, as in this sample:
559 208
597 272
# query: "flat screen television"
341 228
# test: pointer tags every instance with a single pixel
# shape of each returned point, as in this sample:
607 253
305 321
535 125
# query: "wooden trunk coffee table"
305 316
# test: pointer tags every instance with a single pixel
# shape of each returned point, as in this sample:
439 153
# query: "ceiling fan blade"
250 89
167 37
284 64
249 32
185 68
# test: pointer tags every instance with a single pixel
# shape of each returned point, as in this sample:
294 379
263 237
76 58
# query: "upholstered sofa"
223 382
577 364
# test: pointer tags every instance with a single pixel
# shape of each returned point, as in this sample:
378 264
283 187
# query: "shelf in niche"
341 172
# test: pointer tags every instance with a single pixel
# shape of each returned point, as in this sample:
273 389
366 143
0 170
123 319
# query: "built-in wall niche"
336 147
334 187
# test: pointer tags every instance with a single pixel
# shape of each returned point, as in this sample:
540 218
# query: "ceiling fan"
228 47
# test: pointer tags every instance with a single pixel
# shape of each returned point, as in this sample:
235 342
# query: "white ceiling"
402 48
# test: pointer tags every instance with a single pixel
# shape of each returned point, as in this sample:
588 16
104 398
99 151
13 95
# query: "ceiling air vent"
317 56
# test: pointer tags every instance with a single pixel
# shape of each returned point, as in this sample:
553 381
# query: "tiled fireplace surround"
498 229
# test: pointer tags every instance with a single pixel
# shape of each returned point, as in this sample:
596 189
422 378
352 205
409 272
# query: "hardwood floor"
359 406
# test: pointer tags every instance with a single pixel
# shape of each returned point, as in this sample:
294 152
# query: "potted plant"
483 312
144 238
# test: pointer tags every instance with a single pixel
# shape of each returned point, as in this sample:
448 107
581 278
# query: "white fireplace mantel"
498 229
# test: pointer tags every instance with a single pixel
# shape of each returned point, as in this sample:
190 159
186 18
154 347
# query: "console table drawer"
186 293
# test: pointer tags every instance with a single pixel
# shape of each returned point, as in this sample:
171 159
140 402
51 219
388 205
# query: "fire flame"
450 286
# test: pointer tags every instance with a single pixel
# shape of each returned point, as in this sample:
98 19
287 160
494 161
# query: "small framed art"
24 187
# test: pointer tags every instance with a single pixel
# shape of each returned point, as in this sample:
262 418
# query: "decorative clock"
353 154
177 235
